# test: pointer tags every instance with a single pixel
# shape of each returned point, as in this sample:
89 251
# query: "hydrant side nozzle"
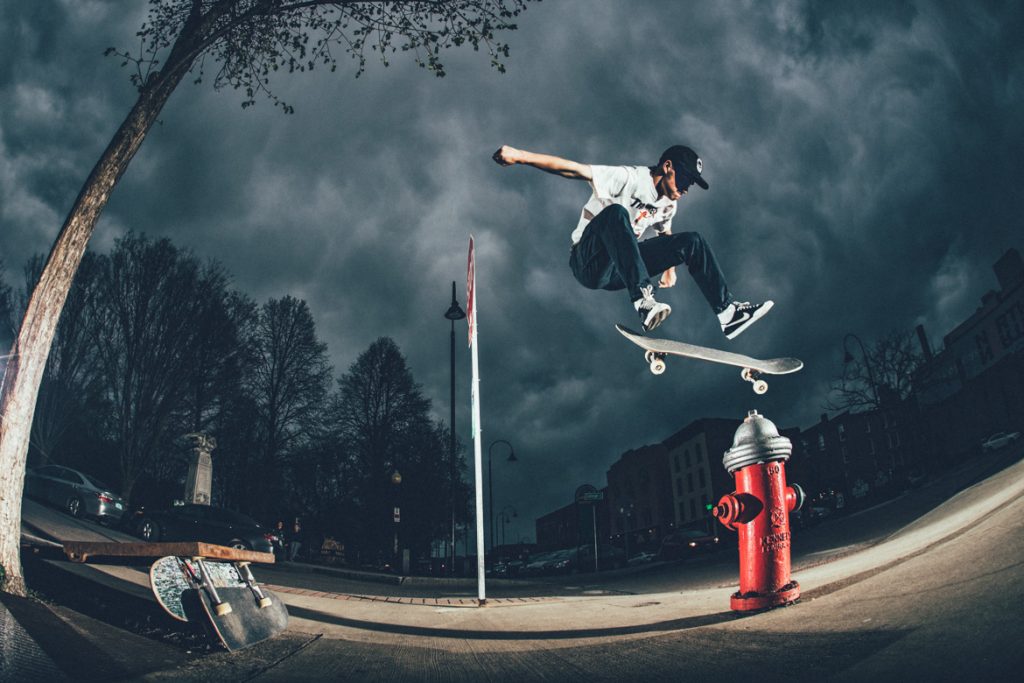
795 497
727 510
735 509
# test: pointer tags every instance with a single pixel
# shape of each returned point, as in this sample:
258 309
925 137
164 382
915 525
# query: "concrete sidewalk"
942 596
374 619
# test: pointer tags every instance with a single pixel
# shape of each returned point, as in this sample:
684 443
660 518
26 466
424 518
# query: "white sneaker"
652 313
741 315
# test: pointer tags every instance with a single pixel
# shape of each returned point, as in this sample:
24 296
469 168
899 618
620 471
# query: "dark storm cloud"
863 158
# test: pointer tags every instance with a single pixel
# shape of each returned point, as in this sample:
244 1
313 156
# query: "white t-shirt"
633 188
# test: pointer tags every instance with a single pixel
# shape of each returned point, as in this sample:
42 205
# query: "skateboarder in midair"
624 237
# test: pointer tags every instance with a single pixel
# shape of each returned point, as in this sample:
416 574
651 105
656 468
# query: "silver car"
76 492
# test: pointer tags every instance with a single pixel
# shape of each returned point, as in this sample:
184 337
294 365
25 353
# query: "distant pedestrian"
280 539
296 543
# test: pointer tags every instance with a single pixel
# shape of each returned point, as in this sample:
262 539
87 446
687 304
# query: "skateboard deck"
171 576
656 350
245 624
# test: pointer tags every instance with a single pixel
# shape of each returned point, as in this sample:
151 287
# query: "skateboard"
245 624
170 576
752 368
224 596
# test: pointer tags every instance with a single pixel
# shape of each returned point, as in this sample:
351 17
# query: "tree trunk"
20 385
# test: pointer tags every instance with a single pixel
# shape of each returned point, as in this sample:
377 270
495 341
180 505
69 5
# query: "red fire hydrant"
759 511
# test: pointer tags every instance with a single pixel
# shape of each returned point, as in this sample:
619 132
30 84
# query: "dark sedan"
76 492
204 523
686 542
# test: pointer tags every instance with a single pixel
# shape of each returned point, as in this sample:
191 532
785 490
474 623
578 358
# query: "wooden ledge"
81 551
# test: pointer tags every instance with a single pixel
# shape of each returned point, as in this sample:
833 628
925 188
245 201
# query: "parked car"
608 557
77 493
687 542
555 562
204 523
999 440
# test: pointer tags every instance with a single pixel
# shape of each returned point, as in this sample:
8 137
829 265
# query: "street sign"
588 494
398 515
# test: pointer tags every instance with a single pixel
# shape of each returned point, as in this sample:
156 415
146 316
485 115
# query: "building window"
679 486
676 459
1010 325
845 454
699 452
693 509
686 457
689 482
984 347
701 478
682 512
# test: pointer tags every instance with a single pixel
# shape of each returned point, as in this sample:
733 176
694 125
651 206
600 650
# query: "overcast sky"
865 162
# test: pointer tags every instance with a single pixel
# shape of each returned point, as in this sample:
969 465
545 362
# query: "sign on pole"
471 316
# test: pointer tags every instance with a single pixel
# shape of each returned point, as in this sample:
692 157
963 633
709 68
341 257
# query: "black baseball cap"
686 160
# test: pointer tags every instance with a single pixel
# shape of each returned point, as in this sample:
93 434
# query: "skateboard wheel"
222 609
265 602
657 366
760 386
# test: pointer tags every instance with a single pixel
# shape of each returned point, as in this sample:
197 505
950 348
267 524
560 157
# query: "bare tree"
243 42
381 422
149 321
70 385
878 374
288 385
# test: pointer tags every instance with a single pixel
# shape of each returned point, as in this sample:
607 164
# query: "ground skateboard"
171 576
245 624
224 596
752 368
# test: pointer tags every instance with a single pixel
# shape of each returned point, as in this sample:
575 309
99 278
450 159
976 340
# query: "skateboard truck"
250 581
206 584
751 375
656 361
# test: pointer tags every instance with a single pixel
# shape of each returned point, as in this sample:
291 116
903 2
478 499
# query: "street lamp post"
505 519
396 480
453 313
848 358
490 480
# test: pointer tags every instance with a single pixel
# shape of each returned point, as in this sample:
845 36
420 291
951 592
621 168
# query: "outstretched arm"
508 156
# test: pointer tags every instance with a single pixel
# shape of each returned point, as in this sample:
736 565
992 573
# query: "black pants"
608 256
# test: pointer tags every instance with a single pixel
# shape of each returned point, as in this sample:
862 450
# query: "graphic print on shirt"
647 215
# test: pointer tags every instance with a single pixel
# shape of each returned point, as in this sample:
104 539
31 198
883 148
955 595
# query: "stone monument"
199 483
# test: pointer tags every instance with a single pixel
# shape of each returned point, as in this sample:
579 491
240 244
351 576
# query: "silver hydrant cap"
756 440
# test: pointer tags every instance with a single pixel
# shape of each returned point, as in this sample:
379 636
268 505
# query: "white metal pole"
477 445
